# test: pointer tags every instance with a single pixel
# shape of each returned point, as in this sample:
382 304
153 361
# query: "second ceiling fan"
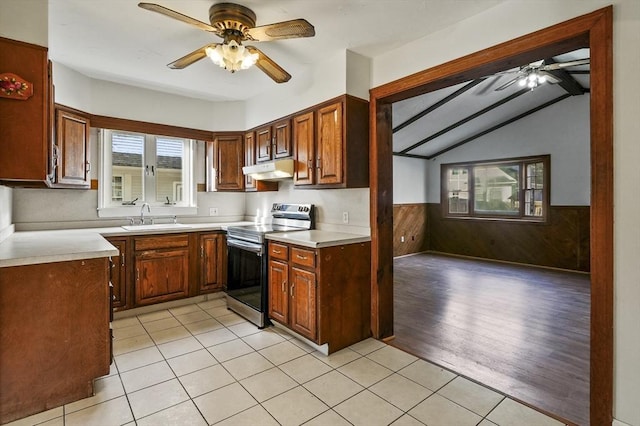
235 24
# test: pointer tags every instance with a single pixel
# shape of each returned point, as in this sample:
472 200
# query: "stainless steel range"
247 268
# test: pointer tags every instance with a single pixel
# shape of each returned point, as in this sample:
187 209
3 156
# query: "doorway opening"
594 31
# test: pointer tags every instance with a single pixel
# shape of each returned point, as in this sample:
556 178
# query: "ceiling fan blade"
560 65
178 16
281 30
190 58
508 83
269 67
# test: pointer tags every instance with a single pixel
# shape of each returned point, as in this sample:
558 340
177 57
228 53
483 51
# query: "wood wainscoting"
410 222
562 242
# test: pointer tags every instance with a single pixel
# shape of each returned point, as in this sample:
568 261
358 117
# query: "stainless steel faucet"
142 212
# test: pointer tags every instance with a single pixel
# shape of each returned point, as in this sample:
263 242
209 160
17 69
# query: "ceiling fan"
235 24
536 73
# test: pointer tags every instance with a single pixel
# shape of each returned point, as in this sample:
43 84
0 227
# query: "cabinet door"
119 274
303 137
329 145
278 294
263 144
212 258
303 303
249 157
24 124
225 156
72 139
161 275
282 139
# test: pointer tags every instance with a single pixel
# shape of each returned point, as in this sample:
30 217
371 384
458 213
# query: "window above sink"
139 168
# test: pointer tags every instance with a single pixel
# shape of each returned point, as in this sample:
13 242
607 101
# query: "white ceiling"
117 41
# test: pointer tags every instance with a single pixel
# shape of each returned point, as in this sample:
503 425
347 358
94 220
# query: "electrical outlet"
213 211
345 217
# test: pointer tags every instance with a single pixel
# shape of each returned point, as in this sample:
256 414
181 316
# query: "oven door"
247 277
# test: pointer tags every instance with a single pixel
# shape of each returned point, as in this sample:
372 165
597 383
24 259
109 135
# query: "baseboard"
619 423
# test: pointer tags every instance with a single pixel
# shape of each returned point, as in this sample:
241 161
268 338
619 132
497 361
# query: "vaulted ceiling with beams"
429 125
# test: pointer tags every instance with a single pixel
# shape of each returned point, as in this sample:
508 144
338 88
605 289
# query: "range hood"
274 170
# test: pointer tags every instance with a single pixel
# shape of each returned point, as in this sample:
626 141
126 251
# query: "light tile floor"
201 364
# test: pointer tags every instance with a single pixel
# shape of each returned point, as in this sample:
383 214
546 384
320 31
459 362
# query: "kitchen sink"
155 226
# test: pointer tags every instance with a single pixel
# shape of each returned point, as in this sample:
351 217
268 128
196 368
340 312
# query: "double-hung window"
500 189
141 168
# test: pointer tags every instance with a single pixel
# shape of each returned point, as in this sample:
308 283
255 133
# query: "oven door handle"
244 245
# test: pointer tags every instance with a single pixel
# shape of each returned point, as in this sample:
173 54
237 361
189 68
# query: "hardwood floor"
521 330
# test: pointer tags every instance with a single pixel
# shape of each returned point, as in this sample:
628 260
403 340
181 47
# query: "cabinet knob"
293 286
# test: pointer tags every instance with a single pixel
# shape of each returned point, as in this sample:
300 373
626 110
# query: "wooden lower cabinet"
161 268
213 261
54 334
158 268
322 294
118 274
303 302
279 291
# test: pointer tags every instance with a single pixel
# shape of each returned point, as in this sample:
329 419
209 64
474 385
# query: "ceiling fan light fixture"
532 80
231 56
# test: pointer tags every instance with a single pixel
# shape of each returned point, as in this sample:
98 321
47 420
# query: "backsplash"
38 209
330 206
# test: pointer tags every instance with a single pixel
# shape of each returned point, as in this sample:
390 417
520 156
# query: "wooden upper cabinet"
249 158
263 144
273 141
72 146
25 124
331 144
224 159
303 148
281 139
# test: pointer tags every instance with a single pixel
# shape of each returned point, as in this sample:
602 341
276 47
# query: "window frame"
472 214
107 208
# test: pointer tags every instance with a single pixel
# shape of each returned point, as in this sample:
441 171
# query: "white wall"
307 89
25 20
561 130
410 179
519 17
100 97
330 204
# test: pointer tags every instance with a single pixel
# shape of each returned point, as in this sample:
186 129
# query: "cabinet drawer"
161 242
278 251
303 257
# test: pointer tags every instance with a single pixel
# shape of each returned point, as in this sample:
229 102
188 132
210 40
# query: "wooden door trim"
593 30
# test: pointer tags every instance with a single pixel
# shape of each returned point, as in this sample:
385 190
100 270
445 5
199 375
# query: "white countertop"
33 247
318 238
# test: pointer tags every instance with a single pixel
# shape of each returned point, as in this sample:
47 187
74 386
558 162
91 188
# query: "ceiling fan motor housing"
231 17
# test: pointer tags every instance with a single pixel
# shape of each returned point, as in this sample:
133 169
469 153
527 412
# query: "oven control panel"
293 211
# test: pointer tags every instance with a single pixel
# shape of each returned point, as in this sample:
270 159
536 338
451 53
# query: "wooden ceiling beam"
438 104
498 126
568 83
466 119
